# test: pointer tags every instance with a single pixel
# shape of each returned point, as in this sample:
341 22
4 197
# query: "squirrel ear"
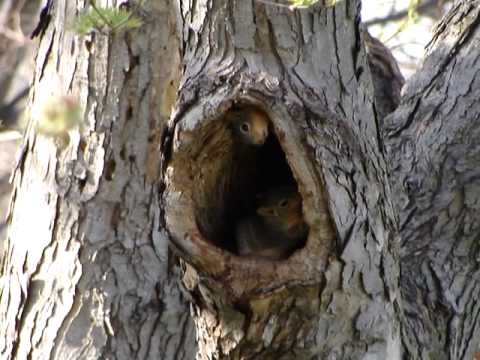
266 211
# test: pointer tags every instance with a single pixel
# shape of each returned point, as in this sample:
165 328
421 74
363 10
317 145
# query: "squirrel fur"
276 228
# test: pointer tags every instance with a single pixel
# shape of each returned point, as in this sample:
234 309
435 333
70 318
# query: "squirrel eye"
245 127
283 203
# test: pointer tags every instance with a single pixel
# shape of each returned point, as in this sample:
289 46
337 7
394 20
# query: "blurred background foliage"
404 26
18 18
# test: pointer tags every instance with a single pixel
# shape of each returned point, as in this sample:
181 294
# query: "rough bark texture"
86 274
308 70
434 157
17 20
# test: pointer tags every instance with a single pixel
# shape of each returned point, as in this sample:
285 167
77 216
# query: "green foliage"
302 3
412 10
58 115
307 3
107 19
412 16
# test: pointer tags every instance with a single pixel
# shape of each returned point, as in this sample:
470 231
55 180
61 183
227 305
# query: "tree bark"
86 274
308 70
433 153
89 274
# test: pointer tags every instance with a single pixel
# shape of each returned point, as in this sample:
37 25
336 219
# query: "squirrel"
249 131
277 227
249 125
244 130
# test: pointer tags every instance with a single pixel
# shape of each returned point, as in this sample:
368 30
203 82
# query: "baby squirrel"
249 125
277 227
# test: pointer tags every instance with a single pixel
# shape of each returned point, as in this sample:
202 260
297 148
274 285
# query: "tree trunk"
154 163
87 274
308 70
433 153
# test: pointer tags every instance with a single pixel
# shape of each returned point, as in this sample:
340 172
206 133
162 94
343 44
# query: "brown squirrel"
249 125
234 159
249 130
277 227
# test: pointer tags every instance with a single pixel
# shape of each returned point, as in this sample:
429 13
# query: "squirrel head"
282 208
249 125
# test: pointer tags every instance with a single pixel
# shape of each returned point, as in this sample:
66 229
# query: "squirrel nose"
264 135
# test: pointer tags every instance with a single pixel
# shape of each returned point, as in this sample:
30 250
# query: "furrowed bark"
307 69
433 155
87 273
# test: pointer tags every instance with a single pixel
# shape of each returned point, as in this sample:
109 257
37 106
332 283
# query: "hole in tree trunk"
215 183
250 204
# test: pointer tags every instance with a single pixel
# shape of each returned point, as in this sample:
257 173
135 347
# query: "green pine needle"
105 19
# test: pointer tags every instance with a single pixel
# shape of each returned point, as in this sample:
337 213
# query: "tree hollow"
211 184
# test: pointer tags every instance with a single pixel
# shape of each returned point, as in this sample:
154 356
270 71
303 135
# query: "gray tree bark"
88 274
433 154
308 69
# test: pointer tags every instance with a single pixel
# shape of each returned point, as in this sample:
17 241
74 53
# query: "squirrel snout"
264 135
261 136
260 133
